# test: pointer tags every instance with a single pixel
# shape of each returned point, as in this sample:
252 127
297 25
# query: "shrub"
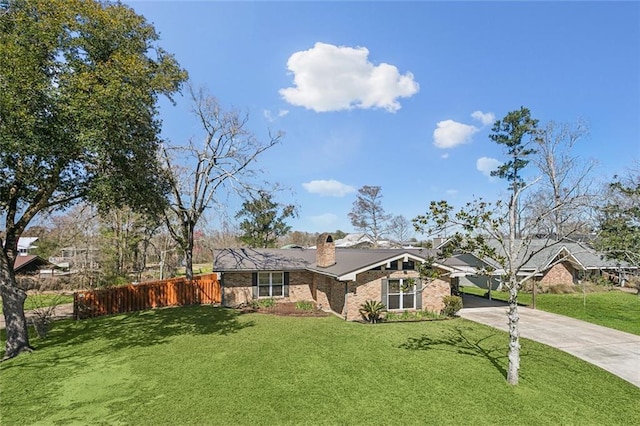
305 305
265 303
391 316
411 316
371 310
452 304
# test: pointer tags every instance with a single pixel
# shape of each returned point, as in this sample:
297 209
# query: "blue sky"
402 94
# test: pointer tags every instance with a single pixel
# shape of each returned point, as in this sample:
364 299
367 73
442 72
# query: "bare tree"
564 176
125 237
220 161
400 228
367 214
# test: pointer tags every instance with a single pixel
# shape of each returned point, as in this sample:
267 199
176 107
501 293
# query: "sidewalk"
615 351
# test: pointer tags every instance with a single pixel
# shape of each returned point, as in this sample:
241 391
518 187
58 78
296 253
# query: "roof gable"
349 262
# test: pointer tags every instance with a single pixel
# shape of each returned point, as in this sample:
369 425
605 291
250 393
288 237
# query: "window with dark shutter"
254 284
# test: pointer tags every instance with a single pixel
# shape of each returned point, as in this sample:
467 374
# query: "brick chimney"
325 250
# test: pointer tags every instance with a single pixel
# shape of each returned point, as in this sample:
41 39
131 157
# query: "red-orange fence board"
203 289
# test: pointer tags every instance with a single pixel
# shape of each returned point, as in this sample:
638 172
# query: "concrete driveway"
615 351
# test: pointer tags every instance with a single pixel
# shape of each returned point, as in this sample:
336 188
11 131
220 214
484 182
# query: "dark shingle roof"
348 261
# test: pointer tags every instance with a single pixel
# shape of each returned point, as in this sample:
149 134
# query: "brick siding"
338 296
560 273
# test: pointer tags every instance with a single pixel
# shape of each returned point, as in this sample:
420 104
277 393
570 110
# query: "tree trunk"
514 335
188 263
13 307
188 253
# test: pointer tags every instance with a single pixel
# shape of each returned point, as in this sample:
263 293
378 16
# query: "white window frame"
401 294
270 285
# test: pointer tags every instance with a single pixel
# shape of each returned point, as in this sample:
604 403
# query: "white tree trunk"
514 335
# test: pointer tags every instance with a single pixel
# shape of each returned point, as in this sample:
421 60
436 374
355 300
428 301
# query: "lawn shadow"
464 342
147 328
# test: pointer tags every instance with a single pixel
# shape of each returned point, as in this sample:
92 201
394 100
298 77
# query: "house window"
401 294
409 265
270 284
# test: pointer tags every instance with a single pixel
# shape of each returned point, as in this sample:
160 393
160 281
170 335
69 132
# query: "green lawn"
203 365
614 309
35 301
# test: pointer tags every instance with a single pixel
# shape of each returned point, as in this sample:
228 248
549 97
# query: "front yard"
204 365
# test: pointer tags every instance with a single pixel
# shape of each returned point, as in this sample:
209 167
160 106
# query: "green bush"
265 303
411 316
452 304
305 305
372 310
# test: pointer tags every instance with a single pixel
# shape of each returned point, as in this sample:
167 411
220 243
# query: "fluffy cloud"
486 119
331 188
486 165
334 78
451 133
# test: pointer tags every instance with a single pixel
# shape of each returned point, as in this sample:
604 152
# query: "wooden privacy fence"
203 289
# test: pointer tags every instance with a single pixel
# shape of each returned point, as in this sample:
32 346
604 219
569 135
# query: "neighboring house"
77 258
337 280
559 263
29 264
25 245
361 240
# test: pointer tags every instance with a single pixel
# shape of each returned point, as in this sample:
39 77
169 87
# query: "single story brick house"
337 280
547 262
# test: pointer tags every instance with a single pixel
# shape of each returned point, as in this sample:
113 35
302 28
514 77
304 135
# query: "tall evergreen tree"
264 220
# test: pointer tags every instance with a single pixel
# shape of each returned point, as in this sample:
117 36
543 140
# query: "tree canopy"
79 82
619 236
264 220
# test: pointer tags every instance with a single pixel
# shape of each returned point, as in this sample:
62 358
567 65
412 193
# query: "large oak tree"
79 82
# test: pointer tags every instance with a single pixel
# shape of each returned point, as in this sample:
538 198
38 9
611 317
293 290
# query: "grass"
35 301
198 268
614 309
203 365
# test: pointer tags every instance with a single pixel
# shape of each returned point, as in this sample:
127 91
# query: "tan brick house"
337 280
547 262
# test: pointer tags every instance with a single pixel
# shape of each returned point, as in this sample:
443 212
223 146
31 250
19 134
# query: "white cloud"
486 165
451 192
331 188
334 78
451 133
445 156
270 116
485 118
325 221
